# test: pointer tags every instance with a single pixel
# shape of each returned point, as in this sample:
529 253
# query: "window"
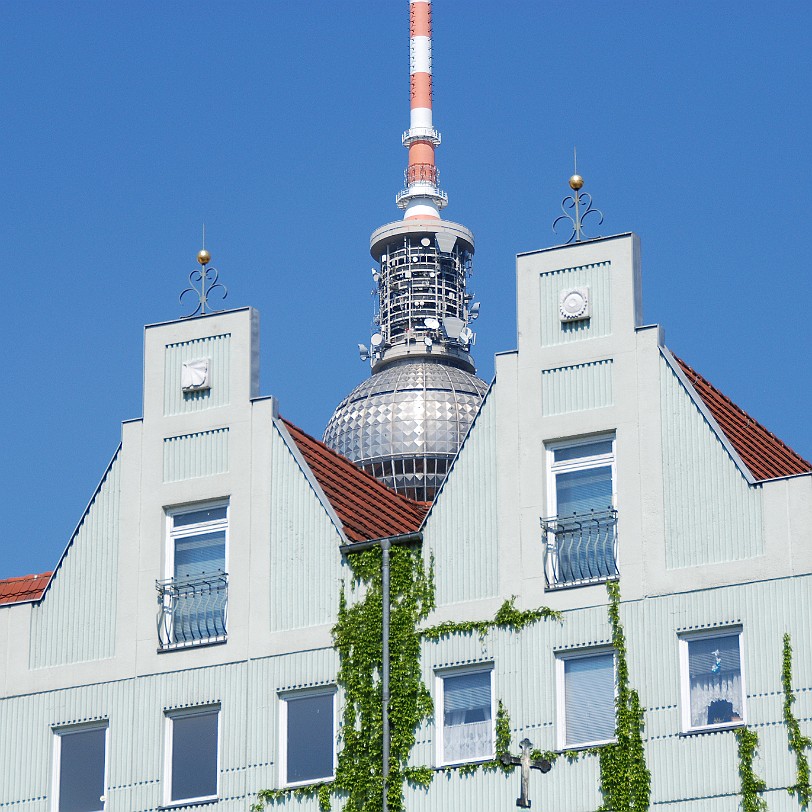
194 595
465 705
581 532
80 755
586 698
712 681
191 762
308 737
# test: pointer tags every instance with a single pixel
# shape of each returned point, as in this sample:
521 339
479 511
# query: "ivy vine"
751 785
625 780
357 638
507 617
798 743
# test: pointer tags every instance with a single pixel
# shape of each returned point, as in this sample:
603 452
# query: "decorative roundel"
574 304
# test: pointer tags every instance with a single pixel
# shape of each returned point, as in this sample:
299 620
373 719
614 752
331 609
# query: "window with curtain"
713 681
586 687
582 476
581 505
467 716
198 549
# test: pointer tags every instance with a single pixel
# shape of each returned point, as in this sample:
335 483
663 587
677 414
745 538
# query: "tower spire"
422 196
406 422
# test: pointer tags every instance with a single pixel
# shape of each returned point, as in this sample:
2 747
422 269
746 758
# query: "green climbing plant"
357 638
625 781
798 743
507 617
751 785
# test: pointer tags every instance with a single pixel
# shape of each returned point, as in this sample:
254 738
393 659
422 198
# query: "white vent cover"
573 304
194 375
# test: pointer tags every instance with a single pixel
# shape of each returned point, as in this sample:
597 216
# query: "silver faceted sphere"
405 424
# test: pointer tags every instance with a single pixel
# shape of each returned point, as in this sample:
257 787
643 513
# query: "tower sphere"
203 257
576 182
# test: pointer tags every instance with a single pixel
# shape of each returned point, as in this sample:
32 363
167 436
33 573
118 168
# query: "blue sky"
125 125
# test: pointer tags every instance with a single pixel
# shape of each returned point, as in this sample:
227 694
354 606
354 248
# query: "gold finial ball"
203 257
576 182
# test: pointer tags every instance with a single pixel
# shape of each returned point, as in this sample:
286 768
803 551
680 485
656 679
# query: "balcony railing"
581 549
192 611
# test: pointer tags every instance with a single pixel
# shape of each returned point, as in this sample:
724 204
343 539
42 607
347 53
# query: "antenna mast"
422 196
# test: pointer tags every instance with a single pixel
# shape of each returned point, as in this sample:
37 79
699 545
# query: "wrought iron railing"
192 611
581 549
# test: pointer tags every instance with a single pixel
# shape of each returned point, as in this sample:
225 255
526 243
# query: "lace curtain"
466 741
716 699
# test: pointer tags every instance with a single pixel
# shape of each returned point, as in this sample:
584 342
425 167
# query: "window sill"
208 799
453 765
310 782
557 587
698 731
579 748
206 643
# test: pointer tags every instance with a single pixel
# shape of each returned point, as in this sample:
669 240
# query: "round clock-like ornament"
574 304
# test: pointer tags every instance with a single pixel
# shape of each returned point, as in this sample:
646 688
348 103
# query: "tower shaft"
422 196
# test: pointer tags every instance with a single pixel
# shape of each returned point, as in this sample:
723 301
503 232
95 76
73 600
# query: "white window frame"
56 771
194 529
169 720
439 715
578 464
284 697
685 678
561 658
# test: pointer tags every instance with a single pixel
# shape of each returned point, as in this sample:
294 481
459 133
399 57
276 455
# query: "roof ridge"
31 577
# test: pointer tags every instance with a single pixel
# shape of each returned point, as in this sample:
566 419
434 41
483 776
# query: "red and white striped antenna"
422 196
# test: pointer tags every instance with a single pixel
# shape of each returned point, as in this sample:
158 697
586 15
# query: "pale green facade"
702 548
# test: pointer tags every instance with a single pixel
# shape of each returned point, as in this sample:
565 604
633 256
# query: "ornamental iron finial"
202 281
580 202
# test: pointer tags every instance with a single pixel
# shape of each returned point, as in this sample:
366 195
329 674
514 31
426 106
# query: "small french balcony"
192 611
581 549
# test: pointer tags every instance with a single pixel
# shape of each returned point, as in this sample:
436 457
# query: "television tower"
406 422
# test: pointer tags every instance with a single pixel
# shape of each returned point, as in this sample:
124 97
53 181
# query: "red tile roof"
760 450
367 509
23 588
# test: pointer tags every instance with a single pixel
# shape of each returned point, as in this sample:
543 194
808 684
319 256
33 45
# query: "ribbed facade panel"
576 388
598 279
712 514
698 771
196 455
216 349
305 561
135 712
74 623
464 517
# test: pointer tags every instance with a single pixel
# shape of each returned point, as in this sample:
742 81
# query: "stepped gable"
367 509
761 451
23 588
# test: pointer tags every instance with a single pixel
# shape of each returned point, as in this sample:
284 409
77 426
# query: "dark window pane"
194 756
81 771
198 516
310 738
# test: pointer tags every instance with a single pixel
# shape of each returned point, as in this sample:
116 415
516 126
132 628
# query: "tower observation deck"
406 422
